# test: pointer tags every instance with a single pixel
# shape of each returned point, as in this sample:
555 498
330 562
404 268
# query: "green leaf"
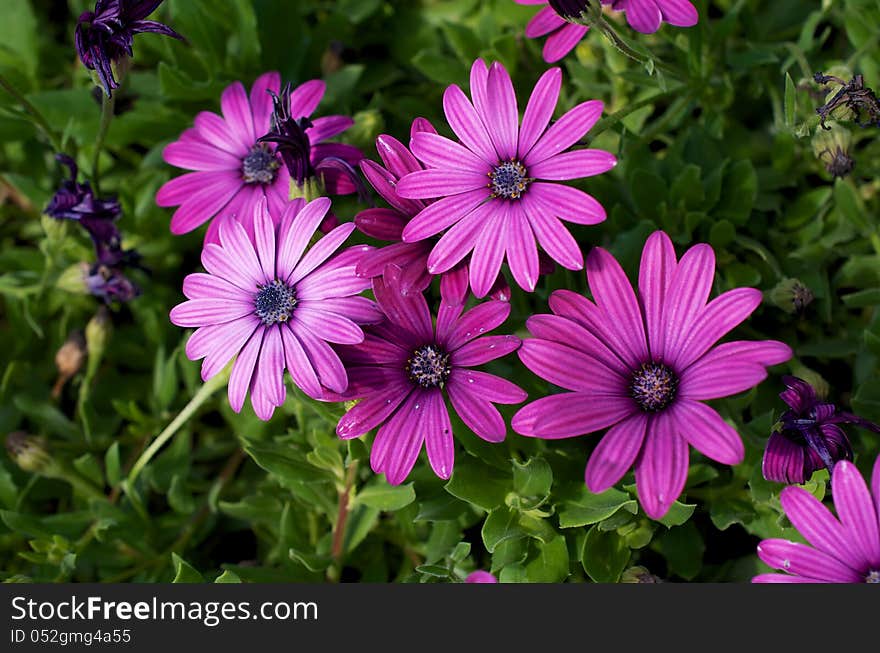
501 525
112 464
383 496
605 555
478 484
588 508
550 564
228 577
311 561
184 572
683 549
88 466
179 497
532 478
790 102
678 514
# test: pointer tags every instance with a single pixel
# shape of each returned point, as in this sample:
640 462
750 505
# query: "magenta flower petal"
563 41
437 183
181 188
409 312
399 440
544 22
206 286
615 453
554 238
485 349
565 132
569 204
474 323
243 370
370 412
574 165
655 276
199 156
459 241
322 250
199 312
714 321
731 368
466 124
301 369
539 110
567 332
802 560
480 577
614 296
687 295
442 214
438 152
478 414
488 253
504 129
816 523
568 368
227 339
380 223
854 506
706 432
783 460
237 112
570 414
662 465
522 250
454 284
439 444
489 387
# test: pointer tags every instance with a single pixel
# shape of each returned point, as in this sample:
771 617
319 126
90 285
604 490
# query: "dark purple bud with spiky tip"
105 36
573 10
291 138
807 437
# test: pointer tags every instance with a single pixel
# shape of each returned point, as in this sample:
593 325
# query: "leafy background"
713 133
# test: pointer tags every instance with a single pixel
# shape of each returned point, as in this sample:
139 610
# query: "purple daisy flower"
646 16
234 171
642 366
562 35
480 576
808 437
403 367
845 549
105 35
496 200
276 305
388 223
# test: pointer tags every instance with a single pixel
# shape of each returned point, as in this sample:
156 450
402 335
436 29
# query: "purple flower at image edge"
555 20
845 549
480 576
234 171
404 367
808 437
274 305
105 35
495 202
643 366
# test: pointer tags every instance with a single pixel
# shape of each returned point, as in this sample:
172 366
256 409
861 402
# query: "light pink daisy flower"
496 200
275 305
642 365
845 549
233 171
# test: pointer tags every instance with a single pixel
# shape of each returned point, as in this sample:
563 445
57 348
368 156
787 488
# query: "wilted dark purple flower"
105 35
110 284
291 135
808 437
98 216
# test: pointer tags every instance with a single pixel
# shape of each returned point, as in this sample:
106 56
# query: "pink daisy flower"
480 576
556 20
404 367
646 16
642 366
234 172
388 223
275 305
841 550
496 200
562 35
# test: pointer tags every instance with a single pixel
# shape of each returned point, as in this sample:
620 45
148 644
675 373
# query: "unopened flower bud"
577 11
73 279
791 295
69 360
97 334
30 452
831 146
820 385
639 574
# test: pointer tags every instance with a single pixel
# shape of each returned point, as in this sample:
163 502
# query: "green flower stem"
39 118
311 189
62 472
107 107
210 386
338 546
611 34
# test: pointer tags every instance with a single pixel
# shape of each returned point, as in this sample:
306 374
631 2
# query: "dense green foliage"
714 133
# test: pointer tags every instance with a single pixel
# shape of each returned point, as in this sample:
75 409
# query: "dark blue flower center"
275 302
428 367
260 165
653 386
873 576
508 180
